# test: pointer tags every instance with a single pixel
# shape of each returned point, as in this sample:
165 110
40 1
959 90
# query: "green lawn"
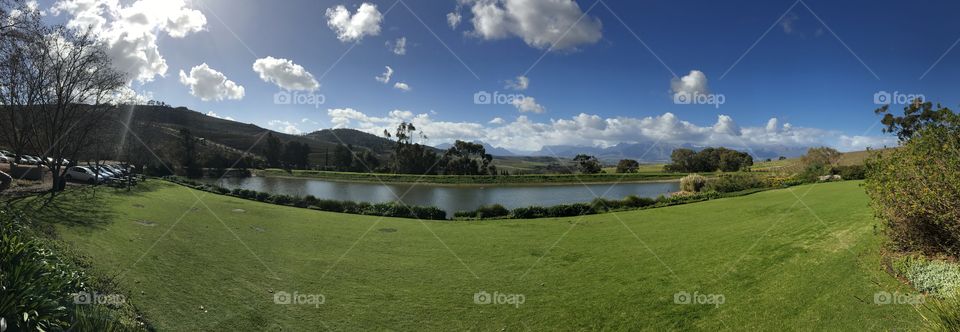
777 265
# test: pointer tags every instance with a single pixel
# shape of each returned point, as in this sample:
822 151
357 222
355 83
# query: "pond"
449 198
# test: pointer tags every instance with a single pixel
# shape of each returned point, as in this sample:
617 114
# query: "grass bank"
538 179
218 263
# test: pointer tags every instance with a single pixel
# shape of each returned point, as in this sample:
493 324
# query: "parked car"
5 158
83 174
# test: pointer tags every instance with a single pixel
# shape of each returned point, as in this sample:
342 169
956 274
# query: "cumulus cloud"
285 74
365 22
208 84
526 104
693 83
454 18
402 86
547 24
285 127
522 83
385 77
130 33
398 47
215 115
523 134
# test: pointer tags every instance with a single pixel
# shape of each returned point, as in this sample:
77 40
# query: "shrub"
487 211
930 276
728 183
262 196
693 183
854 172
915 190
529 212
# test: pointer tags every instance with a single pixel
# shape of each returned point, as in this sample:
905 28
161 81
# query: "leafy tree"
342 158
296 155
628 166
410 157
708 160
465 158
588 164
188 155
273 151
916 116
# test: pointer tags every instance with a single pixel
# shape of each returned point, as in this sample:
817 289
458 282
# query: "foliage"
708 160
915 190
487 211
733 182
935 277
37 285
628 166
588 164
410 157
944 314
852 172
465 158
917 116
693 183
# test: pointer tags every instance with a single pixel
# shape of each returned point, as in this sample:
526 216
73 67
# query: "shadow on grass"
76 207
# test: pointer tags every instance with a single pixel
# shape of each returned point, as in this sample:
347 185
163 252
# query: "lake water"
449 198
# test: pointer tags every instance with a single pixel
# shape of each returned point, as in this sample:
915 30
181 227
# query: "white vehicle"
5 158
83 174
29 160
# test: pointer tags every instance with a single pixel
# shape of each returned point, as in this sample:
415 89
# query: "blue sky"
817 66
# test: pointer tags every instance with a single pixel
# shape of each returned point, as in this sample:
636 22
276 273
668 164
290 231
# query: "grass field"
778 265
479 180
790 164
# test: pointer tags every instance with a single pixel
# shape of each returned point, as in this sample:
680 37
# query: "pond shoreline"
614 180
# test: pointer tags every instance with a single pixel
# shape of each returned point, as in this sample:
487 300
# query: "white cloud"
285 74
454 18
398 47
365 22
695 82
385 77
522 83
773 125
528 105
215 115
130 33
402 86
546 24
860 143
523 134
208 84
285 127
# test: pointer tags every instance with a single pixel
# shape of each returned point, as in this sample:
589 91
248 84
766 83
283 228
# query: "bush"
693 183
930 276
487 211
915 190
854 172
532 212
728 183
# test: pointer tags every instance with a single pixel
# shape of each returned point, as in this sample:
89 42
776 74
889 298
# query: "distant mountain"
495 151
656 153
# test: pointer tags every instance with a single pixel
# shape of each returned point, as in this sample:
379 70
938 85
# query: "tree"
916 116
187 154
588 164
59 86
342 158
465 158
273 151
708 160
410 157
296 155
628 166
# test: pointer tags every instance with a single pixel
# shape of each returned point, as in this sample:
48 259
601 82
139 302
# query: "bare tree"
22 75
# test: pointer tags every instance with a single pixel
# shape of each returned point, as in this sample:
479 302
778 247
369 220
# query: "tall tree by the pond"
466 158
410 157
